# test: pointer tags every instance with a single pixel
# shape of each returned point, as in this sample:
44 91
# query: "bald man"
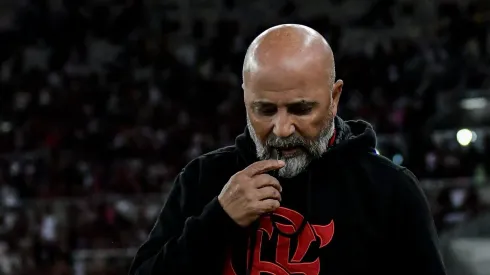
301 191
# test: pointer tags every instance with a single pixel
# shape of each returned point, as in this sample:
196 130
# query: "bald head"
290 47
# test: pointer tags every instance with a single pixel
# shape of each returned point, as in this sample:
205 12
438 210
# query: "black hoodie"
351 212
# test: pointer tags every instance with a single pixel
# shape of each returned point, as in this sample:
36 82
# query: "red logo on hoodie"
286 262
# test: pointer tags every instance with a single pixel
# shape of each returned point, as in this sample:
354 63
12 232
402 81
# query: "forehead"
285 84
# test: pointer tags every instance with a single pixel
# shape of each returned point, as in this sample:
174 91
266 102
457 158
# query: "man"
301 191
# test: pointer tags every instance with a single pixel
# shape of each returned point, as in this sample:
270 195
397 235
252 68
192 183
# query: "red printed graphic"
284 264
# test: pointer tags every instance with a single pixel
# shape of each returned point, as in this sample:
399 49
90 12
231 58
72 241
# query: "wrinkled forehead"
286 83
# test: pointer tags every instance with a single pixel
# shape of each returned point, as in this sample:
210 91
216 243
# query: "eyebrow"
261 103
303 102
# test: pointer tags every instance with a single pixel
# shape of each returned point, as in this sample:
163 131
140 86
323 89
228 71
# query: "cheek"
310 127
261 127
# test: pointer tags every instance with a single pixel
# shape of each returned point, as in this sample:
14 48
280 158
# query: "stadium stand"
103 102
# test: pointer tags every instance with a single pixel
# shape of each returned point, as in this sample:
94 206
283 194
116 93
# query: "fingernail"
281 162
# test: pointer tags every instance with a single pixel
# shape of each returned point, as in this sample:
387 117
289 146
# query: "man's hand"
251 193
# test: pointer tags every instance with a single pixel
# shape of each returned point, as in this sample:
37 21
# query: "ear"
336 92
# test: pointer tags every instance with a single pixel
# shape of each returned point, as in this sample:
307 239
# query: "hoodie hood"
353 136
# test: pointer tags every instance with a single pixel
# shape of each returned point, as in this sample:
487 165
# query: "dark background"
103 102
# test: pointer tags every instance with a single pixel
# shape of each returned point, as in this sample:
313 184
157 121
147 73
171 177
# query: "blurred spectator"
111 98
456 205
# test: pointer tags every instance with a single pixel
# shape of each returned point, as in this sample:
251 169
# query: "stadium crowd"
98 104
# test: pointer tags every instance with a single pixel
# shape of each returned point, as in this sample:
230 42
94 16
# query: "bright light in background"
397 159
465 137
474 103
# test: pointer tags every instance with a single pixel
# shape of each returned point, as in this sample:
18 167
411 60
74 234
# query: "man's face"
291 111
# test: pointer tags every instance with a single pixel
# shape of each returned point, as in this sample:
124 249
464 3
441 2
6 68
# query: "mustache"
291 141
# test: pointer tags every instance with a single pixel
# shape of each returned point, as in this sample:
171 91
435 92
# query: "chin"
294 165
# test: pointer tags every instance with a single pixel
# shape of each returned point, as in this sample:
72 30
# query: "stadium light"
474 103
464 137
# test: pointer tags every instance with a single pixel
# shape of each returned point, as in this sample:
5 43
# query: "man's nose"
283 126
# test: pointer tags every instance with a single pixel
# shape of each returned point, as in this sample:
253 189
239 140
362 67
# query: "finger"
269 192
267 206
263 166
265 180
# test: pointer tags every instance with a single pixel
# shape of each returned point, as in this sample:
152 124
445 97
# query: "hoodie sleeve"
416 239
181 242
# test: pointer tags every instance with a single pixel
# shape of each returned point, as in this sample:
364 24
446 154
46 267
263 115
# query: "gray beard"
309 151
